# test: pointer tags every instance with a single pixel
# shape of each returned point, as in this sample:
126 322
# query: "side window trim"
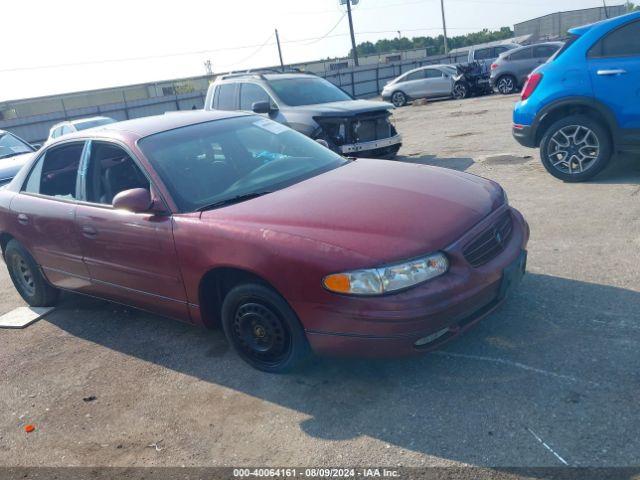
240 88
41 158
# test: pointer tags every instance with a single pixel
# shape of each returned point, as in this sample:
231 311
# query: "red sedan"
230 219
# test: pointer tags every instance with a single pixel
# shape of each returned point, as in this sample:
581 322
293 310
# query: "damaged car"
312 106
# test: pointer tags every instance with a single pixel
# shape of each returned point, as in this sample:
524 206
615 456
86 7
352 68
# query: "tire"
27 277
399 99
460 90
263 329
576 148
507 84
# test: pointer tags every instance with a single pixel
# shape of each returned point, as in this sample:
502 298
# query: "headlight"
391 278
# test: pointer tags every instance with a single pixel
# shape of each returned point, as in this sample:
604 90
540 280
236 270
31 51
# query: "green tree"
434 45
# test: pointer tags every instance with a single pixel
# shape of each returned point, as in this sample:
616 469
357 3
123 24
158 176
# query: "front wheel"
263 329
576 148
460 90
399 99
27 278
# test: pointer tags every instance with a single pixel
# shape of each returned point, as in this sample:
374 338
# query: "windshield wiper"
9 155
232 200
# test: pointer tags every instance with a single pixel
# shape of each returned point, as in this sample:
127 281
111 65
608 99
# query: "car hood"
345 108
10 166
382 210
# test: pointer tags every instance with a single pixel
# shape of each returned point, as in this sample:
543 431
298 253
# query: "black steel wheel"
576 148
263 329
27 278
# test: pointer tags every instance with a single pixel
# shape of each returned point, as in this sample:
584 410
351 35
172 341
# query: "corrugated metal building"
555 25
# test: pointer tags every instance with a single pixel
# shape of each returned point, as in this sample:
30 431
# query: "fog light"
431 338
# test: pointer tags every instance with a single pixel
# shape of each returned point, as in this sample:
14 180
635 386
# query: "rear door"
45 211
614 66
226 97
131 257
521 63
542 53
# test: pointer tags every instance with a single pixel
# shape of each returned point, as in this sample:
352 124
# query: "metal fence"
368 81
361 82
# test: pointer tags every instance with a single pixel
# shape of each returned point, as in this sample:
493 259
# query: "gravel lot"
558 363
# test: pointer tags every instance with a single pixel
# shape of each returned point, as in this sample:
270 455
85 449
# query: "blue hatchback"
584 103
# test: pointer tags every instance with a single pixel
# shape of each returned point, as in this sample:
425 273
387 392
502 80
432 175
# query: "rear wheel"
576 148
27 278
506 84
263 329
399 99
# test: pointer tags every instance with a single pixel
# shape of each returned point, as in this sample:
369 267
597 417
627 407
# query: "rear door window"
226 94
524 54
56 172
544 51
623 42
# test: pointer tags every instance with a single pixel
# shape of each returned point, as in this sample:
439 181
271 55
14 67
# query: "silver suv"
511 69
312 106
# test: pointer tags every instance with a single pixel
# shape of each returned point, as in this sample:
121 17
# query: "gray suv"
312 106
511 69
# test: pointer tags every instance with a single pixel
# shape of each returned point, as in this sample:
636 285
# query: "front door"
614 66
131 257
45 211
438 85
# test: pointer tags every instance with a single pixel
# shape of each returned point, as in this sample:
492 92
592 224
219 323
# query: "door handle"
23 219
615 71
88 231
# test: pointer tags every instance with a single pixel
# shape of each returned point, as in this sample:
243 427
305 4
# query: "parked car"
77 125
432 81
234 219
14 153
486 55
510 70
312 106
584 104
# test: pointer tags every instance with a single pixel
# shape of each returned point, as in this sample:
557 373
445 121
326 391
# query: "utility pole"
444 27
606 12
353 35
279 50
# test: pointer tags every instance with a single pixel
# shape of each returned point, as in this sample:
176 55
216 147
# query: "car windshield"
11 146
98 122
307 91
211 164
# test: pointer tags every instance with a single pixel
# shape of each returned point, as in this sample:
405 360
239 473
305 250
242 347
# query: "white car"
63 128
432 81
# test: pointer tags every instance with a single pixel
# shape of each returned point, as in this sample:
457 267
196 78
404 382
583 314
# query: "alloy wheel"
398 99
261 334
459 91
506 85
573 149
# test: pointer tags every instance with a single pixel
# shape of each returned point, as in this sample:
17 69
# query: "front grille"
371 129
491 242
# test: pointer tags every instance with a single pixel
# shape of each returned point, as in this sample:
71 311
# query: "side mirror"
36 146
136 200
262 107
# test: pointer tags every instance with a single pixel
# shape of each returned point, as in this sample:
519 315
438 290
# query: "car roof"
145 126
440 65
523 47
87 119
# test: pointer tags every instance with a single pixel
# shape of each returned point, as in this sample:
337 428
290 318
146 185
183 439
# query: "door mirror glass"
136 200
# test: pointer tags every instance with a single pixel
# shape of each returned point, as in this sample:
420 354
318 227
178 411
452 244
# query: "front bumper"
373 145
524 135
443 308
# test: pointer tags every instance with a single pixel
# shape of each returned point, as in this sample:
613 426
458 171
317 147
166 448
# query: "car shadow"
557 363
624 169
455 163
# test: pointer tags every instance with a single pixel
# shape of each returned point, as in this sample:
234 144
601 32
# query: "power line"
316 40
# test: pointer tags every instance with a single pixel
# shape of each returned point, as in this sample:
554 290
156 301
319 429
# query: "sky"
57 47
